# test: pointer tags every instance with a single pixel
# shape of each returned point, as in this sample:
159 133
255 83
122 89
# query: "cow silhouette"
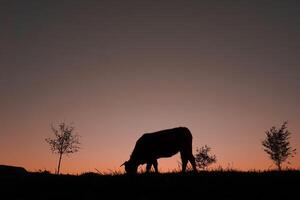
165 143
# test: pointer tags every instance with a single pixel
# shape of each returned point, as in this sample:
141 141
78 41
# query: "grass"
212 184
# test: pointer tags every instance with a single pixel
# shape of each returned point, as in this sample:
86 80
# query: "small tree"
64 141
277 144
203 158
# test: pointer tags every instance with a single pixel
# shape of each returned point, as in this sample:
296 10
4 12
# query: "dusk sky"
227 70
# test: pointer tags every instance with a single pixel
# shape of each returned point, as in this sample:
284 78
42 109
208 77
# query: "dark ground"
203 185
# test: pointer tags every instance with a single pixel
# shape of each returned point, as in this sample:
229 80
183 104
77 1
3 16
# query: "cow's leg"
184 161
193 162
189 155
155 164
148 167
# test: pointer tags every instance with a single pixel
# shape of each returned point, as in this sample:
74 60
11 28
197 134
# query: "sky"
227 70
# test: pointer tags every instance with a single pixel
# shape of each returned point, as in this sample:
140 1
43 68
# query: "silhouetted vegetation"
12 170
64 141
203 157
213 185
277 145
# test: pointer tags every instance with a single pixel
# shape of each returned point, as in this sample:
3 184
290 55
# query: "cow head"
130 167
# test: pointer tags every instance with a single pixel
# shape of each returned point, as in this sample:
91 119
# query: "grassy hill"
218 184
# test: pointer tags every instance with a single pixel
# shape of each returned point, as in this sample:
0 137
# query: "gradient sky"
117 69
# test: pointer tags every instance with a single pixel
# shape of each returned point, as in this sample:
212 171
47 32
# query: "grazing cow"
165 143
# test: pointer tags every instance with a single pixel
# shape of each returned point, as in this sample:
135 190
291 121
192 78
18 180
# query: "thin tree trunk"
279 166
58 167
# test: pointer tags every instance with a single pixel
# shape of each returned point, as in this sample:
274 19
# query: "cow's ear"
123 163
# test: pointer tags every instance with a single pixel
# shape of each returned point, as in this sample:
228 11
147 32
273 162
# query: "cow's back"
163 143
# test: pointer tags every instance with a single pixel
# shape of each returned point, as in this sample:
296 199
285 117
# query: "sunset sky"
227 70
